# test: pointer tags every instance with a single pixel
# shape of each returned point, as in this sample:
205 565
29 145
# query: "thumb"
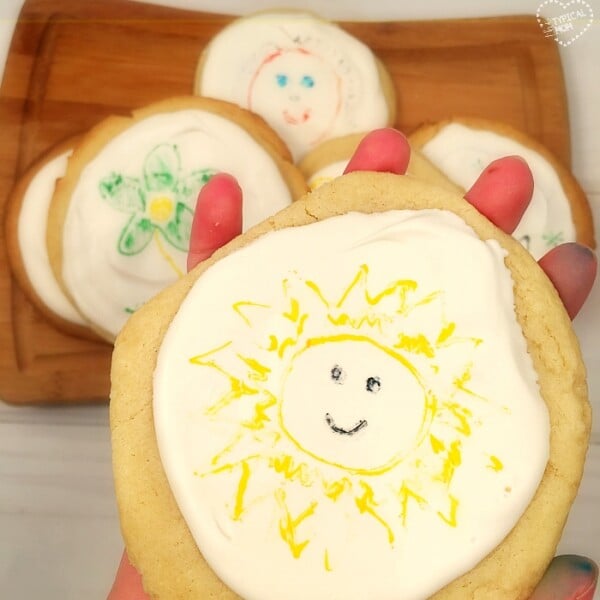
568 577
128 583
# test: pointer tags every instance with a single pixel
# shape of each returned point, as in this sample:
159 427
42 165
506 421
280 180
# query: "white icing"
31 233
105 283
308 78
462 153
327 173
403 320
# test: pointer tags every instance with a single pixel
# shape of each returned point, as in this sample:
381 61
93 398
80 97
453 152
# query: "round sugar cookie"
26 224
337 405
559 211
306 76
329 159
120 219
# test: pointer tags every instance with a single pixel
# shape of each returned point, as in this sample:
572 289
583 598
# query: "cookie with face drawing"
308 78
350 419
329 160
120 219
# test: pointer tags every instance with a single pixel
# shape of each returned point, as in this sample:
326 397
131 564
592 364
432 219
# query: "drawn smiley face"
298 93
353 403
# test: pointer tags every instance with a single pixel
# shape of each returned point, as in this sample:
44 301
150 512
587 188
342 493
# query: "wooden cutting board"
73 62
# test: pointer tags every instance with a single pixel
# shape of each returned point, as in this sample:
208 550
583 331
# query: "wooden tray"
73 62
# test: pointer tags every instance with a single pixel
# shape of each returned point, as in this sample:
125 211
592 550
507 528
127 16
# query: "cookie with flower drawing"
350 420
119 221
307 77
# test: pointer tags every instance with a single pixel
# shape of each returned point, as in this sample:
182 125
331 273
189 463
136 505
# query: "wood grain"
72 63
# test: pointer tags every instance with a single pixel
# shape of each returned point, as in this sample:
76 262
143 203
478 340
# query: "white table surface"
59 532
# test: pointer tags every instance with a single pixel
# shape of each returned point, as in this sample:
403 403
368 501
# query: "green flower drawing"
158 202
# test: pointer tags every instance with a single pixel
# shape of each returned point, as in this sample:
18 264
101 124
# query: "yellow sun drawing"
349 404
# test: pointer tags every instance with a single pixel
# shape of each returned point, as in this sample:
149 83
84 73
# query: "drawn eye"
307 81
373 385
281 79
338 374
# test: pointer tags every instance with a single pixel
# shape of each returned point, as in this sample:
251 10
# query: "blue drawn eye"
281 79
307 81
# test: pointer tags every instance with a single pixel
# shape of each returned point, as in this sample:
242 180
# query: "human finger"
503 191
568 577
383 150
572 269
217 218
128 583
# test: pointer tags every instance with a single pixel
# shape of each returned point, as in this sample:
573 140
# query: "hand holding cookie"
501 193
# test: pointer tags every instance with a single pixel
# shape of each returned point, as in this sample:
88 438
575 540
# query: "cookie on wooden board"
26 224
559 212
305 75
120 219
329 159
338 423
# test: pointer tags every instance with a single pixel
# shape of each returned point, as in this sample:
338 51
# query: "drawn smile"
360 425
292 120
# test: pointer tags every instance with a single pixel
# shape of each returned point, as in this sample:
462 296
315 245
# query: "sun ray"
451 462
291 470
239 308
495 463
366 504
326 561
288 525
241 491
461 381
335 489
259 372
417 344
450 519
405 495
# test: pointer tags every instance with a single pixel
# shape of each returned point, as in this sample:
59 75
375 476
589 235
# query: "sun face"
340 408
355 414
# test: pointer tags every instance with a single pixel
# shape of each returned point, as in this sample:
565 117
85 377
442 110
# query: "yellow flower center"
161 208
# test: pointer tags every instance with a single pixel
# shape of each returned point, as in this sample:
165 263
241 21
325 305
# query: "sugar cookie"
306 76
120 219
27 220
559 212
329 159
338 423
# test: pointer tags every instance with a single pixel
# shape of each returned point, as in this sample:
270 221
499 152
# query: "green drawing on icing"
158 202
553 239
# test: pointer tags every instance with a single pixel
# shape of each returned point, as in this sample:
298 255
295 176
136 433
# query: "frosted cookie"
558 212
329 160
306 76
120 219
342 426
26 225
